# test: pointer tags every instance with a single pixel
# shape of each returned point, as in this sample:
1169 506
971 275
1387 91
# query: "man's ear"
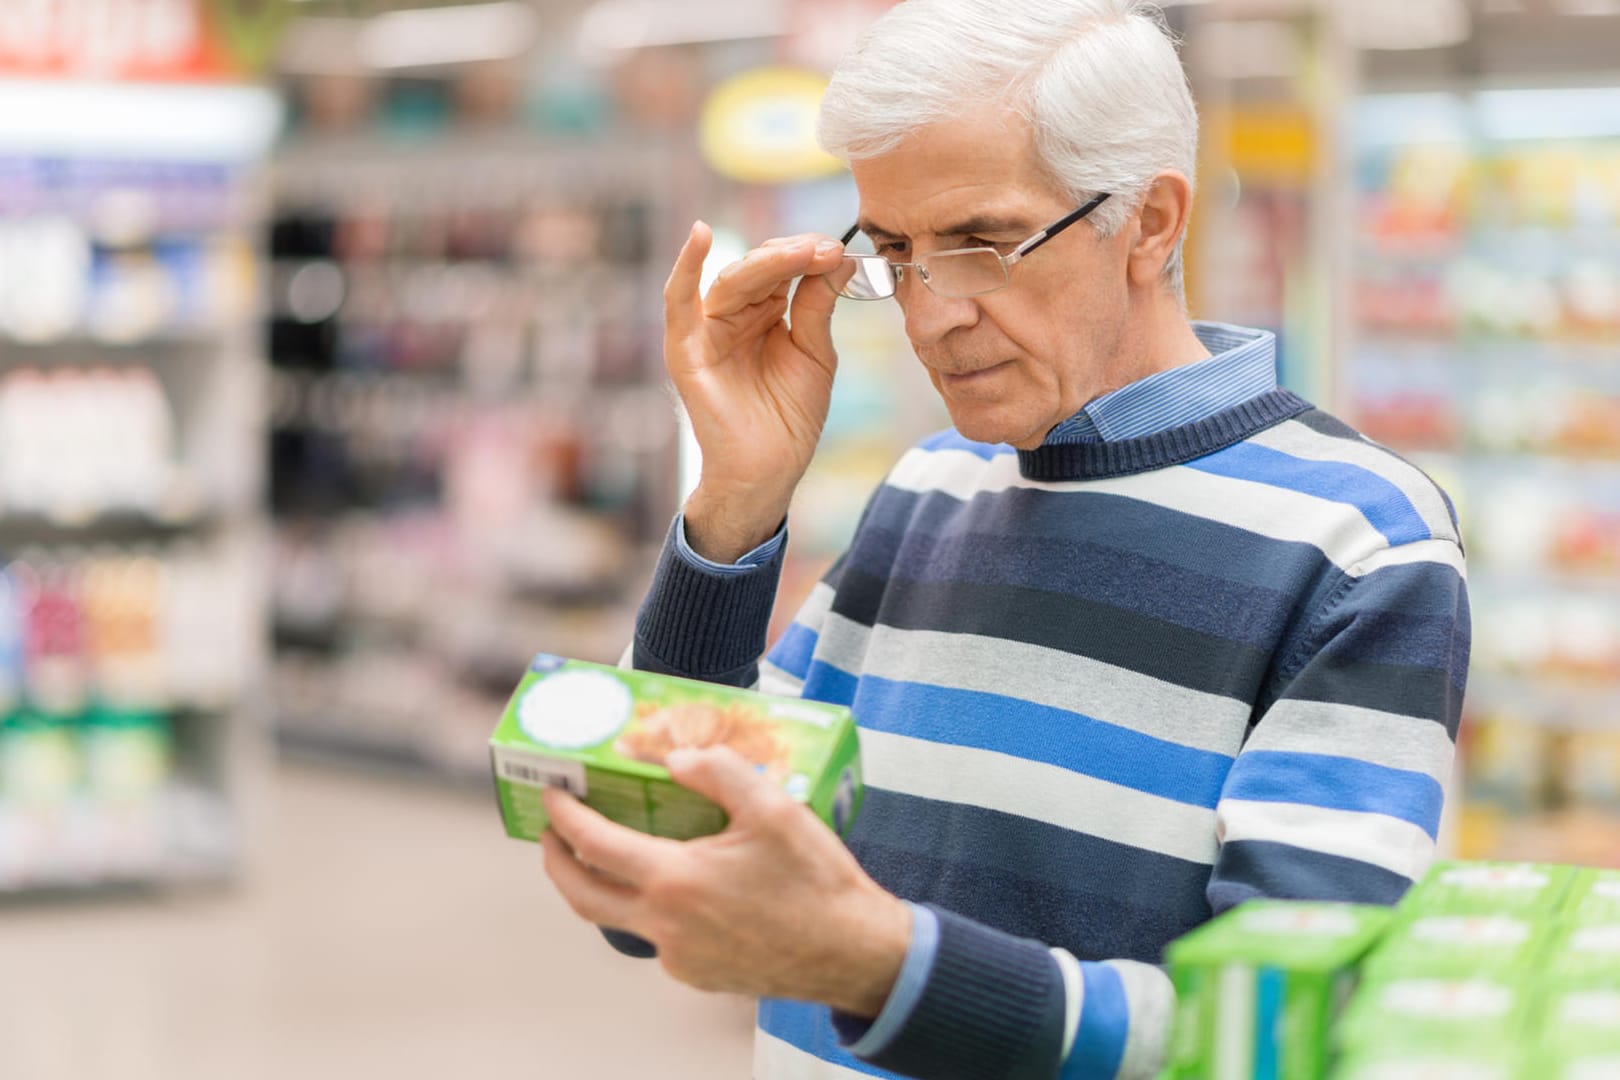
1163 214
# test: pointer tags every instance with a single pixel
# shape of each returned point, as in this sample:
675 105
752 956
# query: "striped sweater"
1106 690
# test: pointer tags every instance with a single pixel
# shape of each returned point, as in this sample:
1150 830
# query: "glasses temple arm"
1056 227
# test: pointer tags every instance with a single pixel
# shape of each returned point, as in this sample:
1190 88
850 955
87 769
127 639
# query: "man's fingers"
590 895
600 843
721 775
683 302
810 316
760 273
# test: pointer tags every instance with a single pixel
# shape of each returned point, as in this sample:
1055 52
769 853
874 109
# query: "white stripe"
1041 792
1150 1002
774 680
1443 552
1040 675
1299 440
1371 735
1377 839
627 660
815 606
775 1059
1074 997
1273 512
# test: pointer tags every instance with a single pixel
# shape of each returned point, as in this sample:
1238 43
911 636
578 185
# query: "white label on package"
533 770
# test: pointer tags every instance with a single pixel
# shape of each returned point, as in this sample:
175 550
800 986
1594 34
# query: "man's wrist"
724 529
875 956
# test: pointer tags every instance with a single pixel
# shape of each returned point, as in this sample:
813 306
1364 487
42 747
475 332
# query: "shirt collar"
1243 365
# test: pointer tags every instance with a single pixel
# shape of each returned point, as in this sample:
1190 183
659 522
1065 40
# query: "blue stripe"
1069 740
793 650
1105 1017
826 683
1268 995
1384 505
1337 783
949 439
809 1027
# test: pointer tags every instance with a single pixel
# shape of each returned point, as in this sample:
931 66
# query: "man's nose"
930 317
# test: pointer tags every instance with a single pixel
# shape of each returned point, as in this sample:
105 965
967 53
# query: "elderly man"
1143 637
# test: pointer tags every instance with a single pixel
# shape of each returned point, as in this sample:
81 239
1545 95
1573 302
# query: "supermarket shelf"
108 526
187 843
1564 704
322 741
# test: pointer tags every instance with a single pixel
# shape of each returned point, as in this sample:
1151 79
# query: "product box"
1585 955
1432 1013
1259 987
1532 890
1582 1020
1467 944
1594 896
1387 1064
603 733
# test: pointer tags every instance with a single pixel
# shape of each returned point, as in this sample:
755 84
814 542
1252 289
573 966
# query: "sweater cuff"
701 624
993 1006
866 1038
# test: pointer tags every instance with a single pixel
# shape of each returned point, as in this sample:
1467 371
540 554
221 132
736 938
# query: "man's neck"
1158 337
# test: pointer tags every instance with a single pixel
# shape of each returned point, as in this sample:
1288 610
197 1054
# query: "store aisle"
392 932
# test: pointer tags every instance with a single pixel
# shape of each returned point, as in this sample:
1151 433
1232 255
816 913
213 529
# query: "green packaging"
603 732
1388 1064
1583 1020
1586 954
1258 988
1594 896
1436 1013
1467 944
1533 890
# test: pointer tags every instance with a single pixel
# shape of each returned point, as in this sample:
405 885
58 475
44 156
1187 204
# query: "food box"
1438 1013
1594 896
1258 988
1436 944
1532 890
604 733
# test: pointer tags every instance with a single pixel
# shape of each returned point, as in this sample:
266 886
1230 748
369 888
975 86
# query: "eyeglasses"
957 273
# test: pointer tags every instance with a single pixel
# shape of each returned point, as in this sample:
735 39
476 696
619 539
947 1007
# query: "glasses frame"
1008 261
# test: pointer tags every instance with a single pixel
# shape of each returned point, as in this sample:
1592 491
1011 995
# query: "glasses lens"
964 273
864 277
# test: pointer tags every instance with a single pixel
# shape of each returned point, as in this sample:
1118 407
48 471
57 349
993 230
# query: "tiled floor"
392 932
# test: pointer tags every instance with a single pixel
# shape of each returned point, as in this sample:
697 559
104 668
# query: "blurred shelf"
104 526
188 839
1563 703
1483 575
311 739
116 350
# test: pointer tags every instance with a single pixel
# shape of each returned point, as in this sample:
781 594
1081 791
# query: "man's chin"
991 426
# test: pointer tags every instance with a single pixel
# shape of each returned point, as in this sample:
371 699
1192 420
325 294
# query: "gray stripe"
1040 675
1371 735
1150 1002
1300 441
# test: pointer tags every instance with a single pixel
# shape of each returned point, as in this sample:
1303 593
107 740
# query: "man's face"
1012 364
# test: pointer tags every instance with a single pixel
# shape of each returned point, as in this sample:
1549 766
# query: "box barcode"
534 774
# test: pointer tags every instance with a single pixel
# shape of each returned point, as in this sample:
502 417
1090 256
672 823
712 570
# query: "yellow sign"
760 127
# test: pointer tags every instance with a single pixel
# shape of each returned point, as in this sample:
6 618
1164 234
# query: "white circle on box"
574 709
1471 930
1605 939
1494 877
1591 1008
1447 998
1322 922
1609 890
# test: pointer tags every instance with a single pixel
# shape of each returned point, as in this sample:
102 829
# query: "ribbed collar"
1099 460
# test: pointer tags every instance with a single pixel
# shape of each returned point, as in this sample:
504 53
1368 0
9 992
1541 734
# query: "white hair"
1098 82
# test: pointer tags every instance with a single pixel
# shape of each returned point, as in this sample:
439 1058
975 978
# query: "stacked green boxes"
1486 971
1504 969
1257 988
603 733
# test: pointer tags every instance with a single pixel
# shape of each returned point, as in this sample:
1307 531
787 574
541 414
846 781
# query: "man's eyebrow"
977 225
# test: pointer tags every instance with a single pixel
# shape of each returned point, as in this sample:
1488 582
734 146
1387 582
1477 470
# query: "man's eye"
889 248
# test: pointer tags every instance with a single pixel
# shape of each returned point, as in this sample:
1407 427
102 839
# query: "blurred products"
1487 303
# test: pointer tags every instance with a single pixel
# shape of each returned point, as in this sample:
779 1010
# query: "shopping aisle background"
389 930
